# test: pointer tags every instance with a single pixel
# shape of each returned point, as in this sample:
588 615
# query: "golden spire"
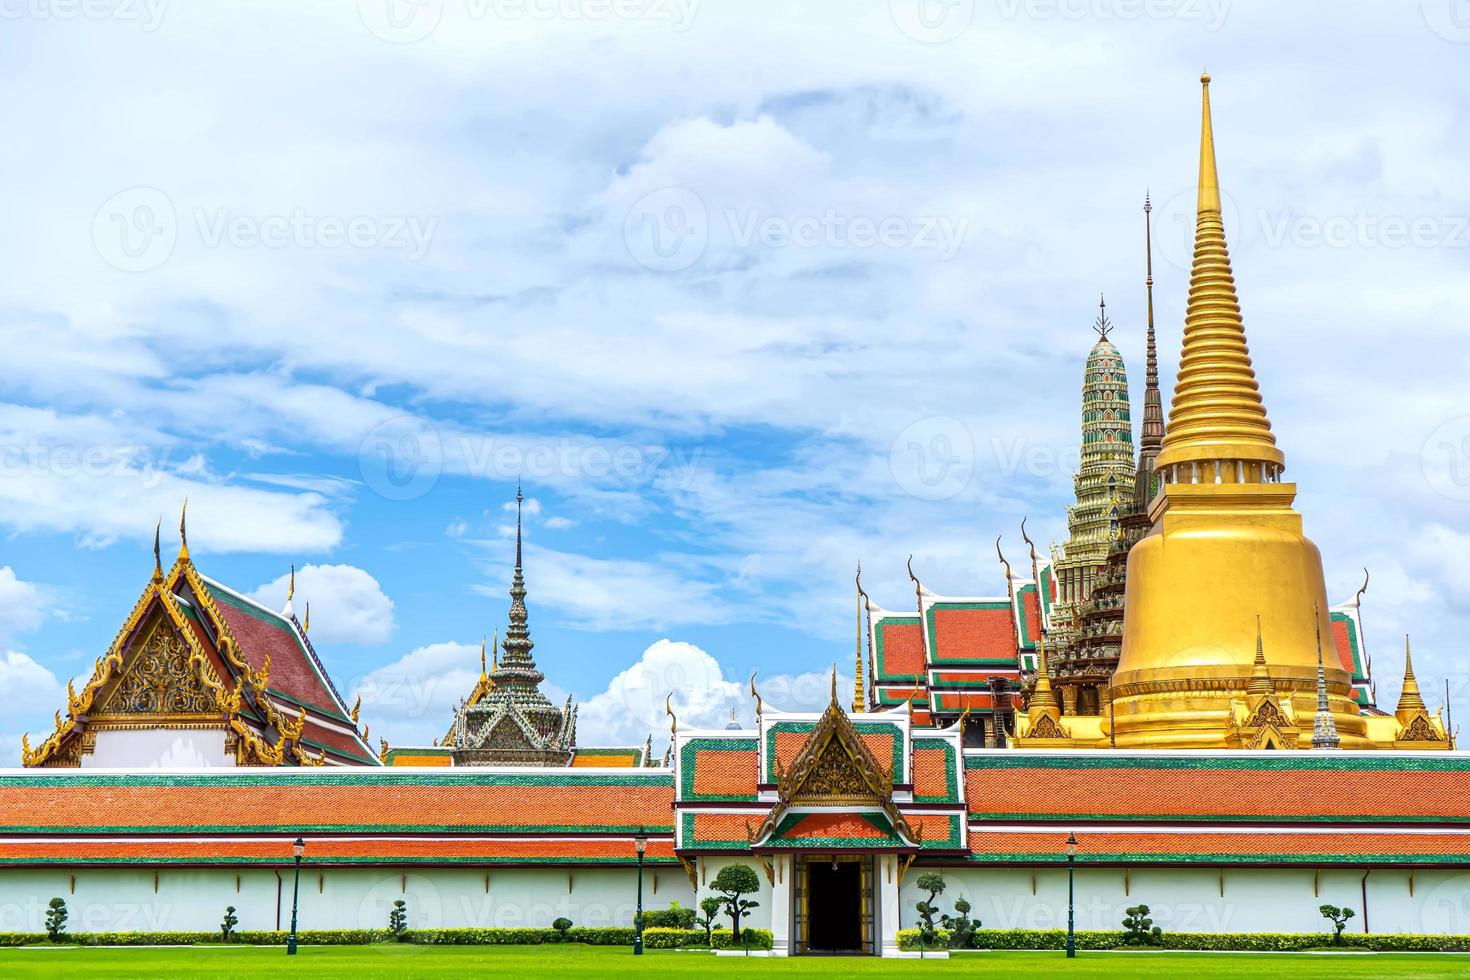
1410 699
1043 700
306 623
857 657
1217 413
1260 682
484 677
291 584
157 555
184 532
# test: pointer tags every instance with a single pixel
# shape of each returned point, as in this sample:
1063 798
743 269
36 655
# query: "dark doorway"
834 907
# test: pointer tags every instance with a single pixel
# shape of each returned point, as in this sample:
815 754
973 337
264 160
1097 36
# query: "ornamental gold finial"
759 705
356 711
184 532
834 685
306 623
669 710
858 700
157 554
1217 417
291 584
1410 699
483 675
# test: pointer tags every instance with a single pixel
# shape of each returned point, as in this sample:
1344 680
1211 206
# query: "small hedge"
653 938
1255 942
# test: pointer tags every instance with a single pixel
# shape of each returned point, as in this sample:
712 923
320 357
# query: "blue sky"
743 292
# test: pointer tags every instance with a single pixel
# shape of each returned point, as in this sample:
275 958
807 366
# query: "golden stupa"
1226 607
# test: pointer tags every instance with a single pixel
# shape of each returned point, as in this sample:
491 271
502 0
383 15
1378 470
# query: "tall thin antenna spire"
1152 436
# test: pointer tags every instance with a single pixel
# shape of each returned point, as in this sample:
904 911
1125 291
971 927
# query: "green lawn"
459 962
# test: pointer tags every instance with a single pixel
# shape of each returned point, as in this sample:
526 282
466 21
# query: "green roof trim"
879 643
1260 761
1311 860
951 770
932 643
899 770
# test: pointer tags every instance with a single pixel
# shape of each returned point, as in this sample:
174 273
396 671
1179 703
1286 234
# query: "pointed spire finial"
1260 683
291 585
1410 699
306 623
858 700
1209 179
157 554
1103 324
669 710
759 705
184 531
483 674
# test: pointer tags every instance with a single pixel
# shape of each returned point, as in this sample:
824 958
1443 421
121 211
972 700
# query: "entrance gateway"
833 905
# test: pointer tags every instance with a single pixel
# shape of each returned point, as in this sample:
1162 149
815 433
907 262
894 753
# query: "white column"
781 905
886 897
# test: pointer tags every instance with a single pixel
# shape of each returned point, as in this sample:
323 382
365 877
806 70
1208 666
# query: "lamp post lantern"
641 842
298 849
1071 906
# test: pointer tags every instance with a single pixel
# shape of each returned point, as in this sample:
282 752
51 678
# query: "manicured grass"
409 962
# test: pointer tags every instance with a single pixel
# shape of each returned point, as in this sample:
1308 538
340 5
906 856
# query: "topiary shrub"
934 885
398 920
56 916
228 924
673 917
1139 929
733 881
562 925
1339 917
710 906
961 927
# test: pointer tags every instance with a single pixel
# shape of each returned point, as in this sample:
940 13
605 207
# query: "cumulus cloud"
347 604
22 604
632 706
413 698
27 691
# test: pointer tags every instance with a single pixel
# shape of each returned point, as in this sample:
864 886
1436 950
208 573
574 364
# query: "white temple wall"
1181 899
150 748
192 899
1190 899
757 918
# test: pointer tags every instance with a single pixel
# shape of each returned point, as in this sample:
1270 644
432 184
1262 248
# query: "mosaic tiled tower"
1104 488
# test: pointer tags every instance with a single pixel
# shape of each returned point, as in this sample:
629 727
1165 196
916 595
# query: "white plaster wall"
757 918
336 898
150 748
1182 900
1190 900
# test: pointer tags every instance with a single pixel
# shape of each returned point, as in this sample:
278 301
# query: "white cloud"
632 706
411 701
22 604
347 604
560 523
27 691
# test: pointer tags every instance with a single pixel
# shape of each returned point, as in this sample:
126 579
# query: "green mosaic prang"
878 644
951 770
687 756
900 772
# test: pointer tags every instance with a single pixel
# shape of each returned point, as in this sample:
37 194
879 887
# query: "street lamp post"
298 848
1071 906
641 842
